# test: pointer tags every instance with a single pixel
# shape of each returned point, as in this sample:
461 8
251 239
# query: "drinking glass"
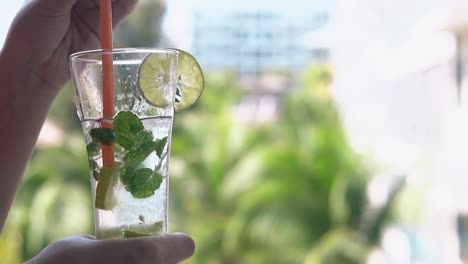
130 198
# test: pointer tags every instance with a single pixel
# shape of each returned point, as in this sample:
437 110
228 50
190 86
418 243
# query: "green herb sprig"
128 132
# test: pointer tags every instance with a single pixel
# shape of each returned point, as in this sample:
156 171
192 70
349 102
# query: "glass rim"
80 54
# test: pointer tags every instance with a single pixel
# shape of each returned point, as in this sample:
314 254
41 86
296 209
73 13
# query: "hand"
46 32
166 249
33 69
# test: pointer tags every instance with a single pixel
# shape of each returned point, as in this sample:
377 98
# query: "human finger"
120 8
165 249
57 7
89 13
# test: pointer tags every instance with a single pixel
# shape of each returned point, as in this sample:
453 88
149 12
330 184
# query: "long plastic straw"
107 76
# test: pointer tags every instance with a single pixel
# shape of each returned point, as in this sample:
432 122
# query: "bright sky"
7 13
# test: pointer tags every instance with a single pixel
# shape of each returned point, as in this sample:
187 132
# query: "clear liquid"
147 215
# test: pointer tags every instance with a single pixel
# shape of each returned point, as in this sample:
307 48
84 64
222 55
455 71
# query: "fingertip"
174 248
189 242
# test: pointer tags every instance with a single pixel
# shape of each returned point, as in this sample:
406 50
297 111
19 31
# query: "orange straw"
107 77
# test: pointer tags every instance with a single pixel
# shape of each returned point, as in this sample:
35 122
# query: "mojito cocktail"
126 99
131 194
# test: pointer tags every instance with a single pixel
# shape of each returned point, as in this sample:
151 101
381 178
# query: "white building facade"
251 37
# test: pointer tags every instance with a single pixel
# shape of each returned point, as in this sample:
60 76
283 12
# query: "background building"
251 37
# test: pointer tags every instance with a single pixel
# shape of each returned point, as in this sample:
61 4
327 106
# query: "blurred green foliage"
271 192
53 201
143 28
288 191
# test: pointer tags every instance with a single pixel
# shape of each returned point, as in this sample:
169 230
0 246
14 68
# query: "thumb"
165 249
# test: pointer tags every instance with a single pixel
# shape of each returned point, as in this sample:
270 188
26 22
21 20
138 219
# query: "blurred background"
329 131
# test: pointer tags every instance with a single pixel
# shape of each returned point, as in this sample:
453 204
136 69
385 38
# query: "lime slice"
136 230
106 190
144 230
133 233
190 81
153 80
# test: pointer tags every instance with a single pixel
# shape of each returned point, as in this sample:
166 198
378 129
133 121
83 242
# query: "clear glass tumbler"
130 197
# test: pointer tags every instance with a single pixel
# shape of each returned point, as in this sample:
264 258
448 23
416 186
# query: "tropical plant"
289 191
53 202
273 192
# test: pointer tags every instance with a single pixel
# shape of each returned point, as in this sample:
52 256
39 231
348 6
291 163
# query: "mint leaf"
144 137
160 144
94 167
126 178
139 144
93 148
135 157
126 127
102 135
144 183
